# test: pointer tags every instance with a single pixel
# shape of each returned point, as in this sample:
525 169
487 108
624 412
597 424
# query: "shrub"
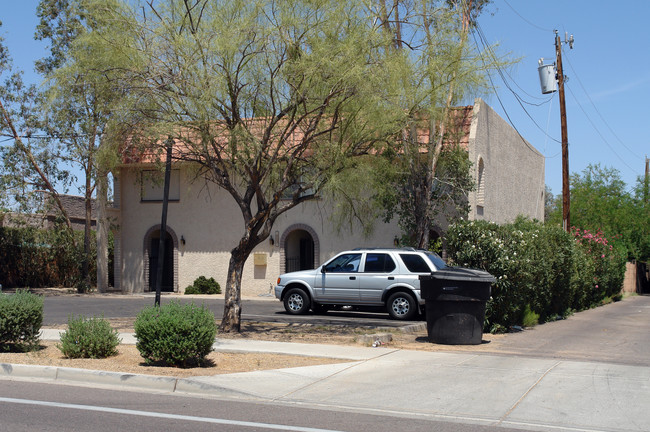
39 258
531 319
175 334
89 338
204 286
541 270
21 317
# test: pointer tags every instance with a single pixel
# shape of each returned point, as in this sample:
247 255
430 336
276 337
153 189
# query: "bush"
203 286
89 338
41 258
542 272
21 317
175 334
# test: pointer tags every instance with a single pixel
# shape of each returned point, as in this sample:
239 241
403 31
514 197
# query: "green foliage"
89 338
540 269
21 317
40 258
175 334
202 285
601 201
530 319
447 197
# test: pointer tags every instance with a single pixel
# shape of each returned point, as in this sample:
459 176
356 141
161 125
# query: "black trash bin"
455 299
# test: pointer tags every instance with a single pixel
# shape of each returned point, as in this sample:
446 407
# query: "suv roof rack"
405 248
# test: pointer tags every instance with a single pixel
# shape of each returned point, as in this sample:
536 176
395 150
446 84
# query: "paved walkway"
519 392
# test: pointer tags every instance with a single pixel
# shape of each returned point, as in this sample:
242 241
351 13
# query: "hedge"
35 258
540 269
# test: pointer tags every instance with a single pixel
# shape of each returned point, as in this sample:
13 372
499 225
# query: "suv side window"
379 263
415 263
346 263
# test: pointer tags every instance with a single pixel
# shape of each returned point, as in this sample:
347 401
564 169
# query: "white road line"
164 415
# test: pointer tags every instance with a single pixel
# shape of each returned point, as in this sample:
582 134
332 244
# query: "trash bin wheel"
297 302
401 306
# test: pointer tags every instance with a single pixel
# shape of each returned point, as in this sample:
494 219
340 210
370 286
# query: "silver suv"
387 278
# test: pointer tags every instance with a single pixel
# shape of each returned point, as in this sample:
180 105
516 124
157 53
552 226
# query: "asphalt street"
57 309
48 408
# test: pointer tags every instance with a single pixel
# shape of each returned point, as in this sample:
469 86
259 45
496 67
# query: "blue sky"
608 69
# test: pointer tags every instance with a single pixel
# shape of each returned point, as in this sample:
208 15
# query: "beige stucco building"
204 223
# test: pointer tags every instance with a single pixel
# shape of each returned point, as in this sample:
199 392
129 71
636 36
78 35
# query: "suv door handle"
353 278
391 278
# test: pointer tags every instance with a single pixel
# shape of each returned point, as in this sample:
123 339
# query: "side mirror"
322 270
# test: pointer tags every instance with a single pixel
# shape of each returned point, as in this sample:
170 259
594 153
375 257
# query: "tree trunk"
231 321
435 142
102 233
85 262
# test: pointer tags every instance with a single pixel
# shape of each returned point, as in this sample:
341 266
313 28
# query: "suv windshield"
435 259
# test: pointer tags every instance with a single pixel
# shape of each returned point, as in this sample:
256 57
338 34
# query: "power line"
598 131
598 112
525 20
479 31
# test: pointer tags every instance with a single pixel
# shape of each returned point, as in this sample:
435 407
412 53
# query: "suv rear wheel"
401 305
297 302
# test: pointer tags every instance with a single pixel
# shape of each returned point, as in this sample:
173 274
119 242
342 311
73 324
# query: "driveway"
615 333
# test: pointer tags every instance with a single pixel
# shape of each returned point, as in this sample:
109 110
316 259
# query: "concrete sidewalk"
517 392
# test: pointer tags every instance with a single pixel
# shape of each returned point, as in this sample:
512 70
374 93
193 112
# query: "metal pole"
566 204
163 223
646 185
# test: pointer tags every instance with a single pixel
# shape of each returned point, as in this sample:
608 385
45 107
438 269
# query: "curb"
75 376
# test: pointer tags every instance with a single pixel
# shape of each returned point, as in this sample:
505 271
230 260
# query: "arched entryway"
300 249
152 255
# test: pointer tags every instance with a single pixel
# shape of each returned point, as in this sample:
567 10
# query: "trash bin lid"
460 274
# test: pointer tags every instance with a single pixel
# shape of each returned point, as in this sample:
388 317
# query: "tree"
79 106
641 233
271 101
446 69
550 203
29 165
600 201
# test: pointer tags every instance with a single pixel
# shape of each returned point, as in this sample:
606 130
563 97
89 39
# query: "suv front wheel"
402 306
296 302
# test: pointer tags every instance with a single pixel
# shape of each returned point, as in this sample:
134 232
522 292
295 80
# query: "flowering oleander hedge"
539 268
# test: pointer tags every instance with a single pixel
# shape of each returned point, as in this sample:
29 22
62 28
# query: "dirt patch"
128 360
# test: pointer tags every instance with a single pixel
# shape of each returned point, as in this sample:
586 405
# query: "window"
379 263
480 184
415 263
346 263
435 259
153 185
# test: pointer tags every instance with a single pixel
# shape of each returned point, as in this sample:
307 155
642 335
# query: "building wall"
210 224
206 224
512 181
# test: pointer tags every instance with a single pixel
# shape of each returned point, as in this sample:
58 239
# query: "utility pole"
646 185
566 200
163 223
